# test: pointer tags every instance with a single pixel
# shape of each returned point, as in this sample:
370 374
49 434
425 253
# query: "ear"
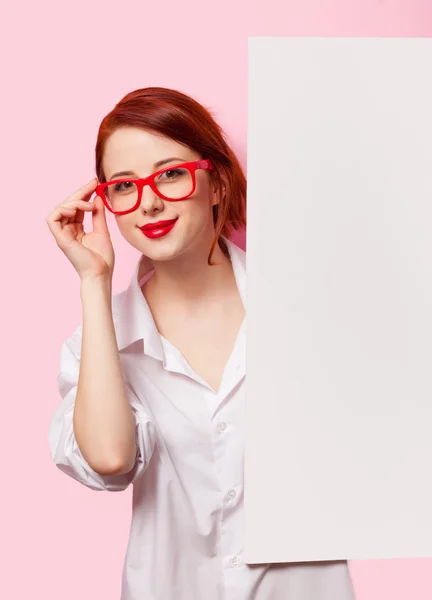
217 194
215 199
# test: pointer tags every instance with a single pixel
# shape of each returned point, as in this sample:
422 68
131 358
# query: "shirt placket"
227 447
227 442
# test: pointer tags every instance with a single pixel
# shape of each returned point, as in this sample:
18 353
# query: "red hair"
181 118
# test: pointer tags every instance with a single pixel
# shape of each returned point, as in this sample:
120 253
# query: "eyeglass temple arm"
204 164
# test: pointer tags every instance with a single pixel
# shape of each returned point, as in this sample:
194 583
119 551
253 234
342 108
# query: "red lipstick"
158 229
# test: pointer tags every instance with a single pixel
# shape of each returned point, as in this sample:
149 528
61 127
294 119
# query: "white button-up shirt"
186 537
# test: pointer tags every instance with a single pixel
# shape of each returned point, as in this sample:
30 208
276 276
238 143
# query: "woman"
153 380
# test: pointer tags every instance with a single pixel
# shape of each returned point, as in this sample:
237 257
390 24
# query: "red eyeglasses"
122 196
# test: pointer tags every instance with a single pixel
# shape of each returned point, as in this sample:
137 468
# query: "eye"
172 174
127 185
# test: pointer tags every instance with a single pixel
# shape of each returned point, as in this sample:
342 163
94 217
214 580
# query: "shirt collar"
134 320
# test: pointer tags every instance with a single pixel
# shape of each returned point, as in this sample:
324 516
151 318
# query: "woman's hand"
92 254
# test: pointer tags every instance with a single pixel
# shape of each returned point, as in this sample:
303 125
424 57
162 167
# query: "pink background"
67 66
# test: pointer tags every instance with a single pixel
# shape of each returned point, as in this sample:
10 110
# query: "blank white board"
339 259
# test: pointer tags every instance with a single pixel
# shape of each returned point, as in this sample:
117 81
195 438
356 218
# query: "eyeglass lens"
173 183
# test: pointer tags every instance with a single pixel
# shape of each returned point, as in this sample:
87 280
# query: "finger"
55 228
66 213
85 192
79 216
66 220
79 207
59 218
68 210
99 217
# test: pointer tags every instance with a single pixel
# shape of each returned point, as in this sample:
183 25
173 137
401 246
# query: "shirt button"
232 493
235 561
222 426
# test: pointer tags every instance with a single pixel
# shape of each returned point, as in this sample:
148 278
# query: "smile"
158 229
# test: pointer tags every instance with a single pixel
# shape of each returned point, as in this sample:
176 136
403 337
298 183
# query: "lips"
158 229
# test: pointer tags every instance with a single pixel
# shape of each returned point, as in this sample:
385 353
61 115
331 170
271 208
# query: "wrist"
96 284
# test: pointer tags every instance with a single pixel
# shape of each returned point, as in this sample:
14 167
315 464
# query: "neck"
189 278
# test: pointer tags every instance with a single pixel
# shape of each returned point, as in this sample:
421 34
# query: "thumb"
99 217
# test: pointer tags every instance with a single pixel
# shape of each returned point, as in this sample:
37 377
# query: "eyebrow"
156 165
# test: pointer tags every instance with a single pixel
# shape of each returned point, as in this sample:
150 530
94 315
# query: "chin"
161 249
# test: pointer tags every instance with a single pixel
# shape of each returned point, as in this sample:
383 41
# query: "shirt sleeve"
63 445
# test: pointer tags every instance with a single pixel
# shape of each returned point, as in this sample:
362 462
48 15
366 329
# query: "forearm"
104 424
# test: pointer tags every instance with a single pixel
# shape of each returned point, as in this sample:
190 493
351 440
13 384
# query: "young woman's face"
137 151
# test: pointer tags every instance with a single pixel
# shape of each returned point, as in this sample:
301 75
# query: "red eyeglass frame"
140 183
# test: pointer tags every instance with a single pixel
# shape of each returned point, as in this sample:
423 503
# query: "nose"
150 202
